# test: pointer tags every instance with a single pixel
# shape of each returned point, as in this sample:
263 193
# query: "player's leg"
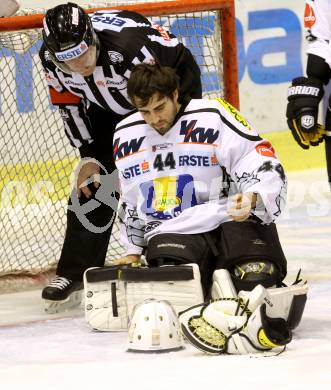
252 253
84 247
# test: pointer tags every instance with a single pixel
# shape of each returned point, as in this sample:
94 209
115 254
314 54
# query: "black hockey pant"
82 247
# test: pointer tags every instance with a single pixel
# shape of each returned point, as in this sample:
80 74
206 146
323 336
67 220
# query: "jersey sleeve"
131 228
317 25
144 41
251 163
170 52
72 109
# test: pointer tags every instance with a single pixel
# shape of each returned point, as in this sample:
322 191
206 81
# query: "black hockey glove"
304 97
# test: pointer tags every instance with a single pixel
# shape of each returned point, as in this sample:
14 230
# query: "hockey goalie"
200 192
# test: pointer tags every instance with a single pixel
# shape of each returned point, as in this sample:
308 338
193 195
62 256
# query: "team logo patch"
115 57
309 18
166 197
307 121
144 166
265 149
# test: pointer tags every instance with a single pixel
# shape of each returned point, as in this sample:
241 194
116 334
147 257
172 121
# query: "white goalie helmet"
154 326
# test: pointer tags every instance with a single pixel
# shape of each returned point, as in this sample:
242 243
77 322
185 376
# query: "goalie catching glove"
304 97
228 326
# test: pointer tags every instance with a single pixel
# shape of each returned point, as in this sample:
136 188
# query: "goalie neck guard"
154 327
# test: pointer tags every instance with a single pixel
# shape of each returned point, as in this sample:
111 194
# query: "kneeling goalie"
200 193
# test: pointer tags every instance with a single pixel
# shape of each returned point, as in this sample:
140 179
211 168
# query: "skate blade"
53 307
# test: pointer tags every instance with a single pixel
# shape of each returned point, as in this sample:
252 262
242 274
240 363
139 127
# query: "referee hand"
88 173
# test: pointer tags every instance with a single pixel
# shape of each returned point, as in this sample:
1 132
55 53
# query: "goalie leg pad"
180 285
105 301
287 303
222 286
111 293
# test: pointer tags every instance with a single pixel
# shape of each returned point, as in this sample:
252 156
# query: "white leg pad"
112 292
180 293
280 302
105 301
222 286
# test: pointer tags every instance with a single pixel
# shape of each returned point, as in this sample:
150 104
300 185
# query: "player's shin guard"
105 301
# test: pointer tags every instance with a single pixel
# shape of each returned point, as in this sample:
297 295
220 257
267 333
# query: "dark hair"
147 79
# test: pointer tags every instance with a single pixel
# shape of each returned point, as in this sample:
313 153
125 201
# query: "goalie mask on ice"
154 326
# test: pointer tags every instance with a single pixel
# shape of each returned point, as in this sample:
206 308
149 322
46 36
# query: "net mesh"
37 161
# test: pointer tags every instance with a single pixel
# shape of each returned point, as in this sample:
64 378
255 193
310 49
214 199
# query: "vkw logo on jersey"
197 134
126 148
115 57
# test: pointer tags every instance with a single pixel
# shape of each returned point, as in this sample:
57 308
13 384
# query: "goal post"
37 161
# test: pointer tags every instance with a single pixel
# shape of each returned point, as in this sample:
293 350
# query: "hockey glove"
228 326
304 97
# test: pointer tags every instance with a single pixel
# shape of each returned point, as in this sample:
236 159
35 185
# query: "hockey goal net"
37 161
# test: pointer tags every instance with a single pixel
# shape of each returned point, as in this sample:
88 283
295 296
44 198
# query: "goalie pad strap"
114 300
102 274
127 274
167 273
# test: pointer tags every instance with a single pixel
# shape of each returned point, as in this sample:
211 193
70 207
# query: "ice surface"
39 351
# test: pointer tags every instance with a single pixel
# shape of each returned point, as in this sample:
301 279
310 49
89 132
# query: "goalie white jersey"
317 22
179 182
